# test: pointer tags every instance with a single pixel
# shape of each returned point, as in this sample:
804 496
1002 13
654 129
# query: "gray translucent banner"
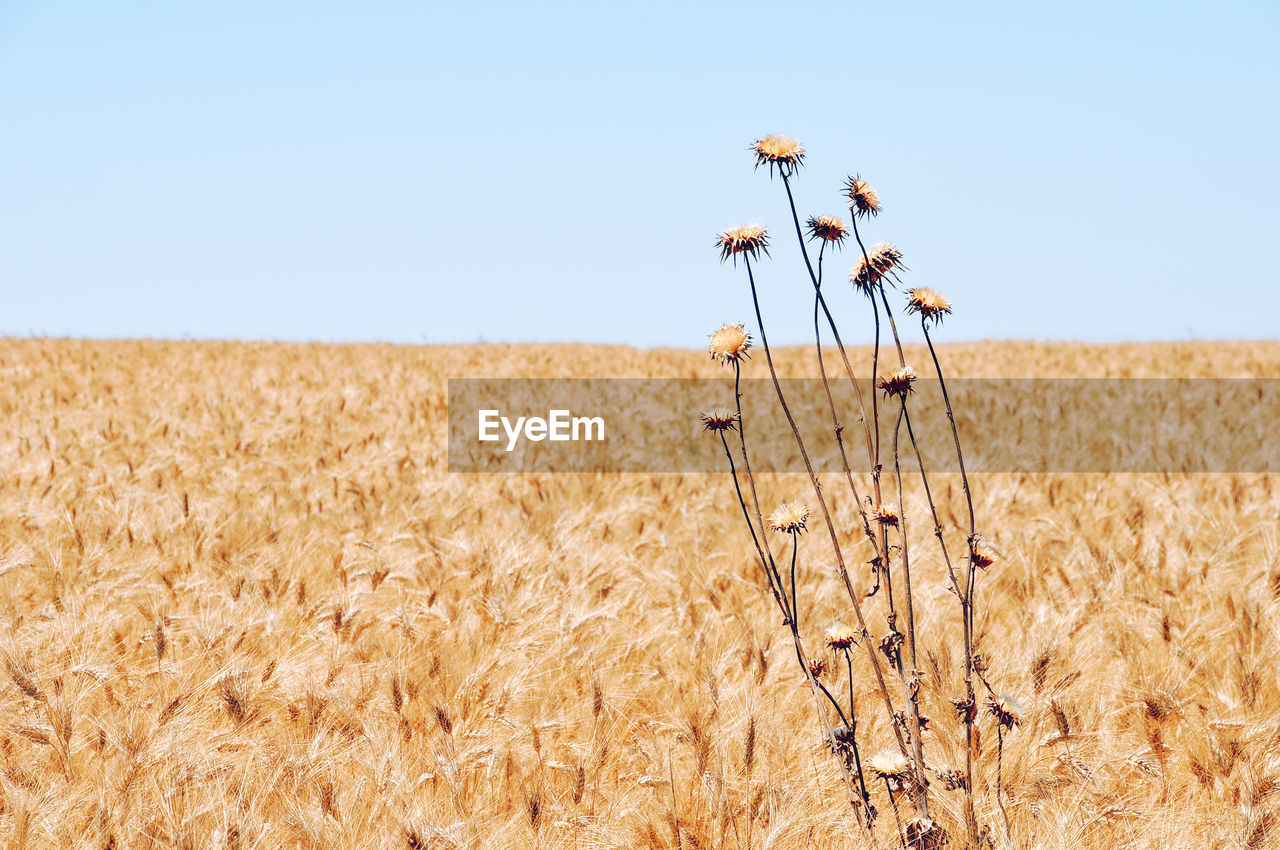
1015 425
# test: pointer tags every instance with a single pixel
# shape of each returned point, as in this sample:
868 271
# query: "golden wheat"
244 605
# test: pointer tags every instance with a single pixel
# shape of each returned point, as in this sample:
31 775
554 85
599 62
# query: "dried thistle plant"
902 768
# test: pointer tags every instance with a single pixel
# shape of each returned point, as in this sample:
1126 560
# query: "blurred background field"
244 605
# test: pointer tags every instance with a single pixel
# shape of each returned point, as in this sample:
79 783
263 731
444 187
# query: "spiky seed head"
729 344
784 153
863 200
899 382
889 764
931 304
1006 711
883 260
719 420
844 738
789 518
981 553
887 514
752 240
817 667
828 228
841 636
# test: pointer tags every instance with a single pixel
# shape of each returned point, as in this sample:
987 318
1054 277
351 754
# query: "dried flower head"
898 382
752 240
841 636
952 779
924 833
719 420
890 765
844 738
887 514
817 667
931 304
863 200
891 643
729 344
790 517
1006 711
785 153
828 228
981 553
883 260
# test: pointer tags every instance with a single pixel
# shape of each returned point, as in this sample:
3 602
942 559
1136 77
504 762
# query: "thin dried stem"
795 605
771 573
852 725
1008 833
876 466
911 679
897 816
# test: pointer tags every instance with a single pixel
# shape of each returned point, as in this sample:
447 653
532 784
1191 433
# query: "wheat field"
244 605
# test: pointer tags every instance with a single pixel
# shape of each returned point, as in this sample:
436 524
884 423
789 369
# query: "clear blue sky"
551 171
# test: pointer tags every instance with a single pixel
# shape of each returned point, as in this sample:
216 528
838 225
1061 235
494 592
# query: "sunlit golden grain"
364 650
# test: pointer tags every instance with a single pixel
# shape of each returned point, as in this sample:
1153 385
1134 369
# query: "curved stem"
999 778
876 466
822 249
795 603
897 816
893 326
751 483
795 217
933 510
951 417
911 679
853 732
771 574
